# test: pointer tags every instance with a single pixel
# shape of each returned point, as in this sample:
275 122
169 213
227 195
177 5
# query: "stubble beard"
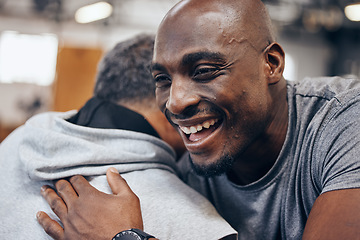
227 160
220 167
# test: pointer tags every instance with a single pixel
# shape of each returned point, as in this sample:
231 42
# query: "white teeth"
193 129
206 124
199 127
186 130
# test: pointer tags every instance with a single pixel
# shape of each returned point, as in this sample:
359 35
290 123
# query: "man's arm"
335 215
87 213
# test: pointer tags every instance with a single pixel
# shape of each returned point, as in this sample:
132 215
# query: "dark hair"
124 72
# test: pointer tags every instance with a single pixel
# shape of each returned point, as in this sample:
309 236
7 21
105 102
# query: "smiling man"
222 87
278 159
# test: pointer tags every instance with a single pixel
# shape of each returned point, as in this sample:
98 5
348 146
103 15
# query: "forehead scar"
242 40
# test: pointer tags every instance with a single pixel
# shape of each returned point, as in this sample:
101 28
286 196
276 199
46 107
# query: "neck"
262 154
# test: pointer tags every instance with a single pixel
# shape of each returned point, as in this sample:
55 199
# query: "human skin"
222 69
159 122
80 207
216 60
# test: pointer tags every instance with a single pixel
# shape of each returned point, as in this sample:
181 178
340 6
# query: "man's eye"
205 73
162 80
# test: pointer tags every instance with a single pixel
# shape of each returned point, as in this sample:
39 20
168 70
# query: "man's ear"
275 62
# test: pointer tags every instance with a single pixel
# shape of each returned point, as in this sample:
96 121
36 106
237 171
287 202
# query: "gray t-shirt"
320 154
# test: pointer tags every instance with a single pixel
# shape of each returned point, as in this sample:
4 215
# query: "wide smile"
200 134
193 132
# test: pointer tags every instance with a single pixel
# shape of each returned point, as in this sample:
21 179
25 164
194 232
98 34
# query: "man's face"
212 88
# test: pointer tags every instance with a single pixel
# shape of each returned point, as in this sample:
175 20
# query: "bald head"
215 61
234 21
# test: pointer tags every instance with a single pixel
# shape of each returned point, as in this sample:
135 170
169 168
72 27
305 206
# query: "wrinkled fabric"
321 153
48 147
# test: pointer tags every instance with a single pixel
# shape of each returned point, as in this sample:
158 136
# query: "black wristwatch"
132 234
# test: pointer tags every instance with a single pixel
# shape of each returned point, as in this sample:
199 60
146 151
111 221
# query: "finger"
81 185
50 226
66 191
55 202
116 182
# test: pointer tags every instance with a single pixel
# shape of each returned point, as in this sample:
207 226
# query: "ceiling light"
93 12
352 12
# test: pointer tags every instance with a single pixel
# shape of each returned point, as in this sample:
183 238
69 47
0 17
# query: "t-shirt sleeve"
338 148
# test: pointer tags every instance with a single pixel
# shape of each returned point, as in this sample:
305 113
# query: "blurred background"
49 49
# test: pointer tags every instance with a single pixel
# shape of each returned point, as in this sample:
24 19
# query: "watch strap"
143 235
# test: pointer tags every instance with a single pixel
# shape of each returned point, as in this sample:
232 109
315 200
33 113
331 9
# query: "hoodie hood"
53 148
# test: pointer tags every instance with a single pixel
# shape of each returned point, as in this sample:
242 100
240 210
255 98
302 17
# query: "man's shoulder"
326 87
315 98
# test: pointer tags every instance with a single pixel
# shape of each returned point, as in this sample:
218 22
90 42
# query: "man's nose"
182 96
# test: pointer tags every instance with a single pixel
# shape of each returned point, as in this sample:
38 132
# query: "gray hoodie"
48 147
